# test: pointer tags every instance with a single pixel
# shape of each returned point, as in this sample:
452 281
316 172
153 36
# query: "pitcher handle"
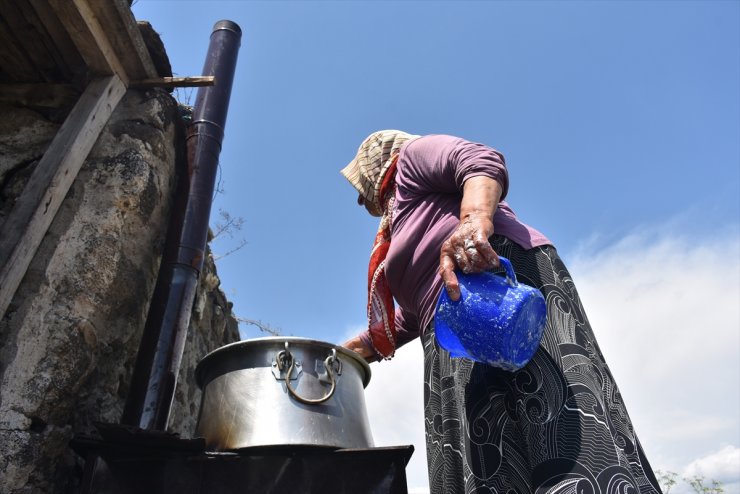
510 275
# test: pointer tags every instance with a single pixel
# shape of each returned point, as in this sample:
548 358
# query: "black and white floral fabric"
558 425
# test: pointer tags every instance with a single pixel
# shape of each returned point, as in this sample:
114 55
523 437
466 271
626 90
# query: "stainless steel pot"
283 391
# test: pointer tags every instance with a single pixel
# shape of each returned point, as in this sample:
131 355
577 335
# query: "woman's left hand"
468 247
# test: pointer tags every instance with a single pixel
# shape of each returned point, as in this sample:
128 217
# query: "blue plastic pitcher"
497 320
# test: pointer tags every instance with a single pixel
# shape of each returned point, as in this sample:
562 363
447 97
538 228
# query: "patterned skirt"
558 425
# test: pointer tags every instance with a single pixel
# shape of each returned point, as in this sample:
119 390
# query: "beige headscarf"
367 170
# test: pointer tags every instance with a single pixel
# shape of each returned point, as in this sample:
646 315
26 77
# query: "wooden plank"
90 37
195 81
124 35
39 95
38 42
75 66
23 231
30 35
13 58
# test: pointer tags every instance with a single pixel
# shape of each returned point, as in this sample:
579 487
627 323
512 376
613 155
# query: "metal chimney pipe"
160 352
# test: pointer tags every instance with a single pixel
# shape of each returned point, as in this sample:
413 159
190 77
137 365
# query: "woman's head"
367 170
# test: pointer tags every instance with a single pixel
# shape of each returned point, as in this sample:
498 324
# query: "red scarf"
380 309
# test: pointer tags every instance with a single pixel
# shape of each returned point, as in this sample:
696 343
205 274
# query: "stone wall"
69 339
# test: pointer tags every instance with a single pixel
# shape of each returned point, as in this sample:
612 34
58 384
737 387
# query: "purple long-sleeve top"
431 171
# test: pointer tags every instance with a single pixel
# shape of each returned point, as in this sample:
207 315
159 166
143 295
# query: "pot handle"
285 356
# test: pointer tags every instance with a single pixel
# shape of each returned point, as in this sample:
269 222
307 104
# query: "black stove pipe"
160 352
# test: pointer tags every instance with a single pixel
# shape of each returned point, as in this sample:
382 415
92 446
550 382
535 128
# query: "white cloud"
665 311
722 465
395 403
419 490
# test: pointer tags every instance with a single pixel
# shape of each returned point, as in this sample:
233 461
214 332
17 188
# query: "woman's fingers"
356 345
462 258
447 272
478 256
447 263
472 251
487 257
467 249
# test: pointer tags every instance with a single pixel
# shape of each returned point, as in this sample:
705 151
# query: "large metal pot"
283 391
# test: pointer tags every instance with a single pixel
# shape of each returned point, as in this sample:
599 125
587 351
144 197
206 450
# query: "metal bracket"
280 374
320 368
281 364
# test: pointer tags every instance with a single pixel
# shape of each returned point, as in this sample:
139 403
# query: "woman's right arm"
407 329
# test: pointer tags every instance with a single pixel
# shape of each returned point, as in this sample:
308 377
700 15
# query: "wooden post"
30 218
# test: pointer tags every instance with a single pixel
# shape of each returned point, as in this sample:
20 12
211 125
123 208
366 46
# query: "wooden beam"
13 56
33 212
125 37
90 38
39 95
72 62
26 29
195 81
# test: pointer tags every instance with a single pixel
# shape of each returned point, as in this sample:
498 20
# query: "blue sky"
619 122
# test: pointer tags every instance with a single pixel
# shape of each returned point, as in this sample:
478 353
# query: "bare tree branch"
265 328
228 225
697 483
243 242
666 479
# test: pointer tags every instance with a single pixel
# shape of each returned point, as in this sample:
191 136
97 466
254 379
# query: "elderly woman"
558 424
